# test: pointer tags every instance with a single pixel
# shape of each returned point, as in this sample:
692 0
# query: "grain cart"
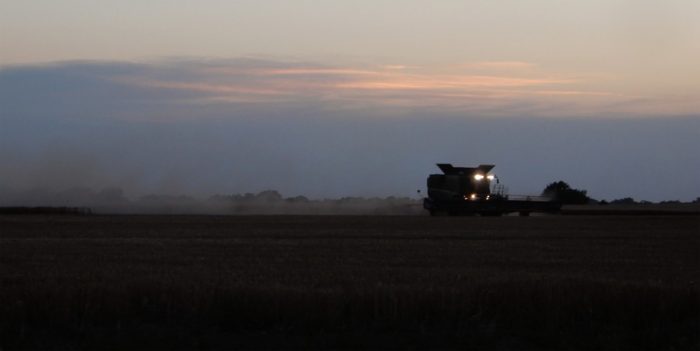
474 190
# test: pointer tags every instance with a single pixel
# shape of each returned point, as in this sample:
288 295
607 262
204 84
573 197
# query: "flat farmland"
228 282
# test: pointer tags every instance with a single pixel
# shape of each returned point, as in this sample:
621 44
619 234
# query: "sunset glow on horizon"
486 86
621 57
357 87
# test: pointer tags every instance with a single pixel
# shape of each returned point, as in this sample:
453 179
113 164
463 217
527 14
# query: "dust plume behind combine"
269 202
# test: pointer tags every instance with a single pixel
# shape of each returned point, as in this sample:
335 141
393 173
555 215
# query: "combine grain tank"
474 190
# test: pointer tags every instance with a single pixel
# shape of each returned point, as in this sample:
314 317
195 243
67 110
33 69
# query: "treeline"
272 202
113 200
632 201
564 193
45 210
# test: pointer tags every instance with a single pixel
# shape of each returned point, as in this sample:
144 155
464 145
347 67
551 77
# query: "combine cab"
474 190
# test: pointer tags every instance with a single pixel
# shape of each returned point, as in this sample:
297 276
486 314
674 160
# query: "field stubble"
221 282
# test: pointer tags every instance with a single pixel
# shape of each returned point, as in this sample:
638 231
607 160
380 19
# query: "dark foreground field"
198 282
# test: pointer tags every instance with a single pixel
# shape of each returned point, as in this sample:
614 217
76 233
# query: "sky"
355 98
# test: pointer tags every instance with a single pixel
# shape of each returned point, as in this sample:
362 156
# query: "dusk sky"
354 98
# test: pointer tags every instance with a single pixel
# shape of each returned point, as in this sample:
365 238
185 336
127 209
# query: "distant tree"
269 196
561 191
696 201
624 201
297 199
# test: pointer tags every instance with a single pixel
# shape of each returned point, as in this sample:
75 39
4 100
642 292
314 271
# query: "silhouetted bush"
624 201
561 191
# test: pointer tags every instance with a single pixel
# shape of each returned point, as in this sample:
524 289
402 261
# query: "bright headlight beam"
478 176
490 177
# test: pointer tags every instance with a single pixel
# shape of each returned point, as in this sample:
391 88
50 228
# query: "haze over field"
362 98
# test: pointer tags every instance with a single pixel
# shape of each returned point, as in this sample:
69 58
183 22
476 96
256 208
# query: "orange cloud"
395 67
319 71
456 82
496 93
218 89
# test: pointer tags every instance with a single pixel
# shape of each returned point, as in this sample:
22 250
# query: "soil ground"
226 282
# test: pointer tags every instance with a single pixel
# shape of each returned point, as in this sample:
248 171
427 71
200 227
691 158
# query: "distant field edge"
633 210
45 210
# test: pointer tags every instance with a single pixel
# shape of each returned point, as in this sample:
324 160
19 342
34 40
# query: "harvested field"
223 282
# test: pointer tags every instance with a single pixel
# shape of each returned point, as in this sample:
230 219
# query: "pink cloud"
397 85
217 89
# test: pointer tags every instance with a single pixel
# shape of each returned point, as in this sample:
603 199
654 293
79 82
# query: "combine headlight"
478 176
490 177
472 197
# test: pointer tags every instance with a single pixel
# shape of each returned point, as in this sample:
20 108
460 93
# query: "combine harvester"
471 191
